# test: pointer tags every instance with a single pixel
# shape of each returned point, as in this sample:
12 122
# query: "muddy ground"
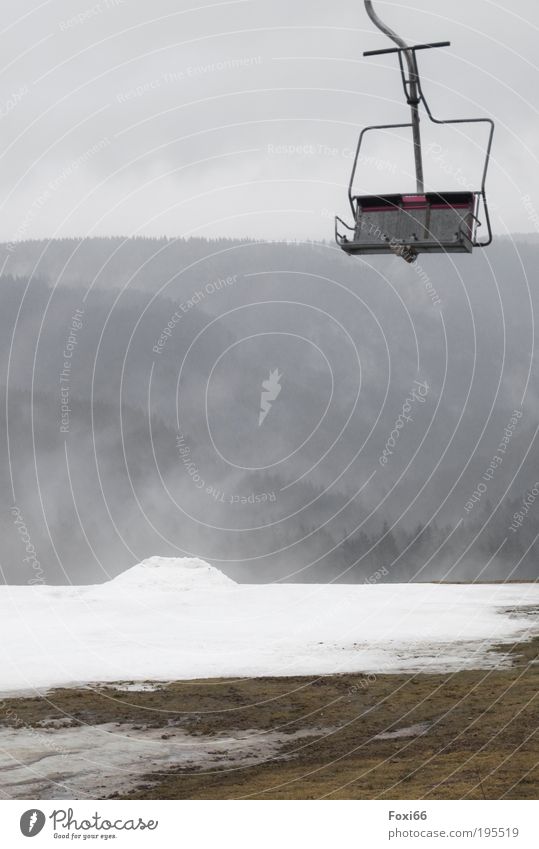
471 734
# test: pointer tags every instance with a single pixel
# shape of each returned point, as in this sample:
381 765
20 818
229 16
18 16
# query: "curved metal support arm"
400 42
411 87
414 94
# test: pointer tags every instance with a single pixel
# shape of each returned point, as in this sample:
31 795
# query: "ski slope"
170 619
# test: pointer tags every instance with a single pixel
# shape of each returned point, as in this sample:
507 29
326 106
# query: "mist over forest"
399 447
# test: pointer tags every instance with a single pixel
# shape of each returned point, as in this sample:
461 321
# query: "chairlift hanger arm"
419 94
400 42
414 95
436 222
411 87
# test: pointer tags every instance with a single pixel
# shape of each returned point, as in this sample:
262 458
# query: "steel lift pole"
412 88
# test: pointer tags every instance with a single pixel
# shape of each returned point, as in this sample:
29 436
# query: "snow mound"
172 573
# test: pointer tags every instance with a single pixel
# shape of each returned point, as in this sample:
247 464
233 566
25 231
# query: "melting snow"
96 760
169 619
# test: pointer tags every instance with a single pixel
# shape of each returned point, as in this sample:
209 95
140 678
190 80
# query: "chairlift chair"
425 222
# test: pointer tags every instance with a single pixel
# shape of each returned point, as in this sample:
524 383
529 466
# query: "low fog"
133 374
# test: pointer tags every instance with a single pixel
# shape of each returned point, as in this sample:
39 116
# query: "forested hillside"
399 445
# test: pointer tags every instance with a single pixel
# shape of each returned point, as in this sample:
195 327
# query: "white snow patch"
130 686
402 733
170 619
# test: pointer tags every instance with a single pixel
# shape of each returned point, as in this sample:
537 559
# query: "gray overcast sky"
239 118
